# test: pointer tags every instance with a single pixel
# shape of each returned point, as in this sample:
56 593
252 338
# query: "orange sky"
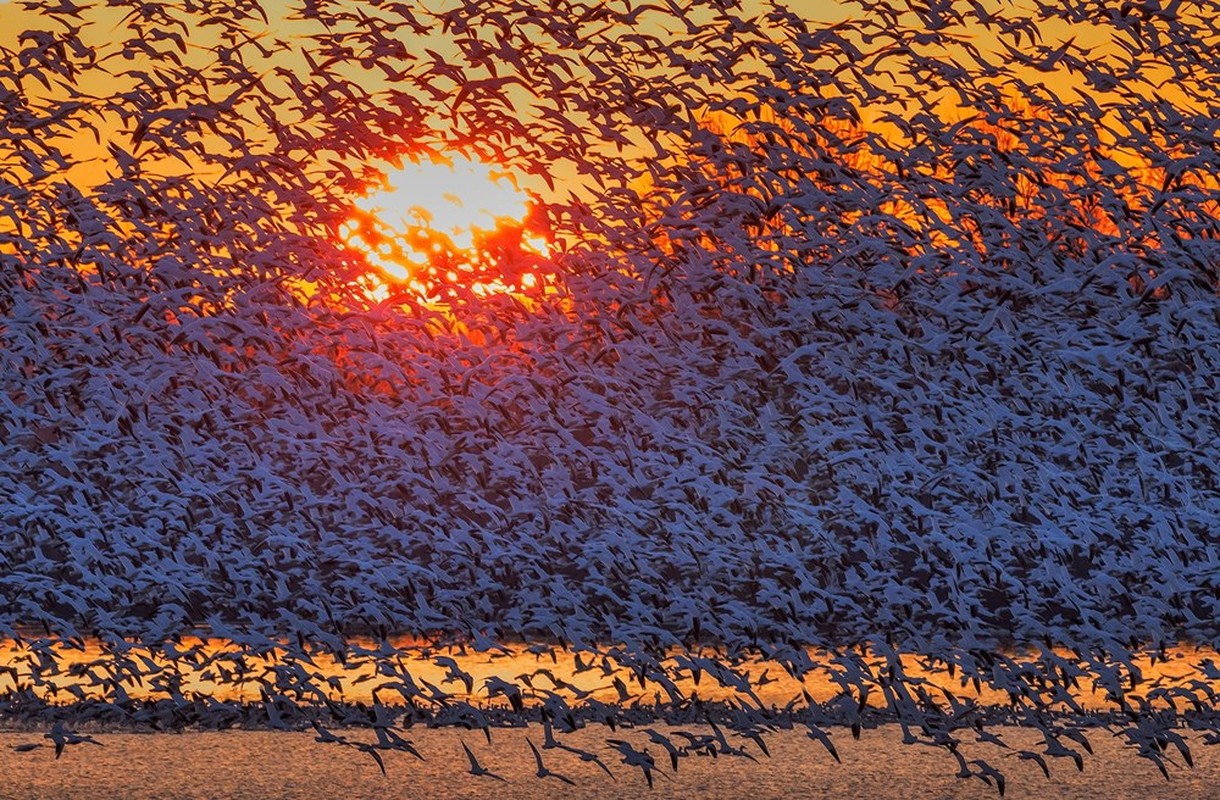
94 163
106 28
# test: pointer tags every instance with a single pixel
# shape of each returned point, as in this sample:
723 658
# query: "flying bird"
477 769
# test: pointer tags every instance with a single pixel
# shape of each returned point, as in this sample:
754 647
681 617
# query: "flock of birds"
895 334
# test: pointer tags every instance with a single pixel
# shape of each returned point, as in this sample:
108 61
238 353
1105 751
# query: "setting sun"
439 217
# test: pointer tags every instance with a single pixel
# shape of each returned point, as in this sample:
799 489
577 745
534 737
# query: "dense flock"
875 329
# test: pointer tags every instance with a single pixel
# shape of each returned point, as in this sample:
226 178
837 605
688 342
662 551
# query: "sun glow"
434 221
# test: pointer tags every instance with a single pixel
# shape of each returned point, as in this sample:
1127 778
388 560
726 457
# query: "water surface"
261 765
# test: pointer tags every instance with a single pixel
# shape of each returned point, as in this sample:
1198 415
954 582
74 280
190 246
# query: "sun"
443 218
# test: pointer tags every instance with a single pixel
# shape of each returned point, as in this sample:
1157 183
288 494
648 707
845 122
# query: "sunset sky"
284 23
284 35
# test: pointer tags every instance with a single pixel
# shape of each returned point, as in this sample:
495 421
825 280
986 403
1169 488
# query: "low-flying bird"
819 735
989 773
674 752
586 756
62 737
455 672
476 768
497 686
1029 755
635 758
542 771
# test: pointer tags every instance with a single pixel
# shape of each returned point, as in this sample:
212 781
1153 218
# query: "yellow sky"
106 28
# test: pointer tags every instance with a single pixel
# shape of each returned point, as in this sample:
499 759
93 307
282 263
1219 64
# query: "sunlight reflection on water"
356 679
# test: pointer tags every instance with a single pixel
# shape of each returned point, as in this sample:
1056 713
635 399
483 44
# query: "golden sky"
107 26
